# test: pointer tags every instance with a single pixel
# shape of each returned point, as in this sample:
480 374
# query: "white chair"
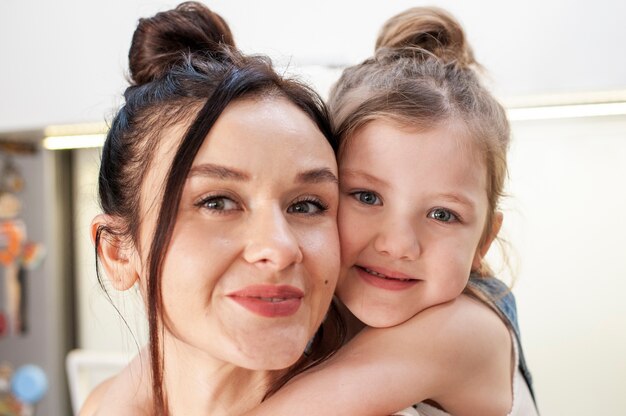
87 368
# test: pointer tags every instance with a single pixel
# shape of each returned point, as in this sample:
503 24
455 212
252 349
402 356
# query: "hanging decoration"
17 254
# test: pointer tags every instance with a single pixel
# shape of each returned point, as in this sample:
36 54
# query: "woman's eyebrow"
317 176
226 173
218 172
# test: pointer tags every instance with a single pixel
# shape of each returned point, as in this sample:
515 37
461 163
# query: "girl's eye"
443 215
307 207
219 203
367 198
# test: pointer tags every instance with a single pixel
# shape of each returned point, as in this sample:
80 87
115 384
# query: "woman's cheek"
329 250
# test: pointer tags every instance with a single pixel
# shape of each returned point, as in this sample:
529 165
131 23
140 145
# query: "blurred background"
558 66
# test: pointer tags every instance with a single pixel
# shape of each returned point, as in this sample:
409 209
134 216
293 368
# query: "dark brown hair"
423 73
183 65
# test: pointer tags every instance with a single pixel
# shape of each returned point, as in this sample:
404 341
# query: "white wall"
565 221
64 60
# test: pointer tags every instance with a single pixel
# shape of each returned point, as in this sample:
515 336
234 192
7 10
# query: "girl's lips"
269 301
389 280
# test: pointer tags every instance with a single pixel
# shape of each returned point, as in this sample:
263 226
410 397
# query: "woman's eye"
367 198
307 207
443 215
219 203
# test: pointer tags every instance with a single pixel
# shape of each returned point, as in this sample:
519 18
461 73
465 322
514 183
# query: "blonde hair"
423 73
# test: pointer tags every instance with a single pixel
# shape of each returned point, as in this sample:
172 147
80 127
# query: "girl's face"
413 206
254 256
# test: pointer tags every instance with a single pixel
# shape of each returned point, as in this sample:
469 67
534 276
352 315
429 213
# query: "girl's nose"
397 239
271 241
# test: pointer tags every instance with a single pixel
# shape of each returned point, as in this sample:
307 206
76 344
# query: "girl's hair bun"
163 40
428 28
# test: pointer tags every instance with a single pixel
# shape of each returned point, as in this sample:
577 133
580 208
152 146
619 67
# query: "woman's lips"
269 301
385 279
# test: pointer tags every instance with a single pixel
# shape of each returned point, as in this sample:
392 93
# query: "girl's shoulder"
127 393
470 341
460 352
463 319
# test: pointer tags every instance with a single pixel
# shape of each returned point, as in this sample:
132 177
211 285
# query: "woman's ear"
481 252
116 253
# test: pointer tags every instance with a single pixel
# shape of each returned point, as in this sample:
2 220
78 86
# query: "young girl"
422 167
218 186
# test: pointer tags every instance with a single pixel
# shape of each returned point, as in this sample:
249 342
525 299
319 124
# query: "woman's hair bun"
428 28
161 41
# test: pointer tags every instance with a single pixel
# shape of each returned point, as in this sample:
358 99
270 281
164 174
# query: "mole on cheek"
325 282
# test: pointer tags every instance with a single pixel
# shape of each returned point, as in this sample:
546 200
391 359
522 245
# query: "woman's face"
254 256
413 206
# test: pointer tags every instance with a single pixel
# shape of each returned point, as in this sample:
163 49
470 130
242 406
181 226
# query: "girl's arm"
457 354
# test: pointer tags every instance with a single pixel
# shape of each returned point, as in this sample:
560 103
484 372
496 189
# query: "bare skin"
457 354
470 373
127 393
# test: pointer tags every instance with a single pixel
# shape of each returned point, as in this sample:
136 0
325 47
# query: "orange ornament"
12 235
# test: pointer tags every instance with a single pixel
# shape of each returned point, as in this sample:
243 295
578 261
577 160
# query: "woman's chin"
278 359
269 351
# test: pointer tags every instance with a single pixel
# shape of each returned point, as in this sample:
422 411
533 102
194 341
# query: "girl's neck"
198 384
353 324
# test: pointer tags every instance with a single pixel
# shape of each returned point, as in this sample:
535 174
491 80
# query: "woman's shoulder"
94 400
127 393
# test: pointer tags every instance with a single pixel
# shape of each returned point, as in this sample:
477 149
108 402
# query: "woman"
218 186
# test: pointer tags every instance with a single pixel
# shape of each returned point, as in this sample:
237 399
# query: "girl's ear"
481 252
117 255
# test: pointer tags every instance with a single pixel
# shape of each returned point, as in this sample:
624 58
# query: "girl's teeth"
382 276
376 273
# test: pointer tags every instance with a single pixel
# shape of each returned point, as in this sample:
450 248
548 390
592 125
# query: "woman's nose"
271 241
397 239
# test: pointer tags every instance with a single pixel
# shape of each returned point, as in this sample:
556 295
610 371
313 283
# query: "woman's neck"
198 384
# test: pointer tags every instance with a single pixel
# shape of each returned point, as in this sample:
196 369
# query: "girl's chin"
378 317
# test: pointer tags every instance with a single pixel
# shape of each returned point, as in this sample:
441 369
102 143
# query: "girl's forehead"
442 155
383 133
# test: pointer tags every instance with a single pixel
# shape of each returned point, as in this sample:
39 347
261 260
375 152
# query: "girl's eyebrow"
458 198
360 174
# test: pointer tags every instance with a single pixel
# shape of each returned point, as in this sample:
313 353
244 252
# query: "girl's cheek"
350 240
